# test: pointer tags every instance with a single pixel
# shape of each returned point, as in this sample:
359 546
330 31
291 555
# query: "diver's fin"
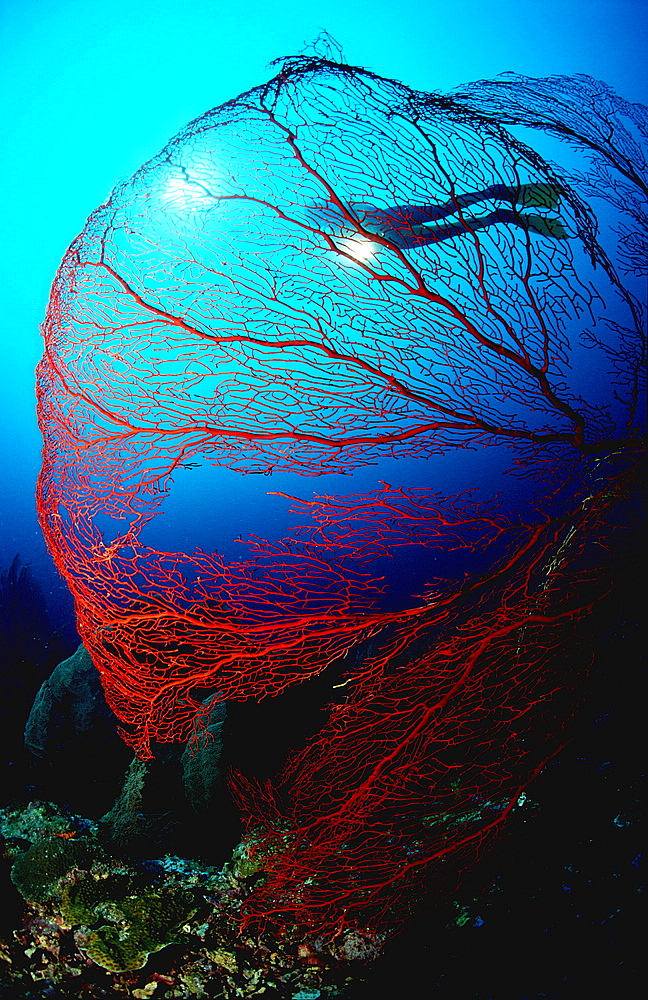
538 196
544 226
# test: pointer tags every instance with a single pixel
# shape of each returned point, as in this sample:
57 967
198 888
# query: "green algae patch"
80 900
140 925
39 820
258 852
118 924
38 872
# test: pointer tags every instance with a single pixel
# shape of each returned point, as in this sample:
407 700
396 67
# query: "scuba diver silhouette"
409 226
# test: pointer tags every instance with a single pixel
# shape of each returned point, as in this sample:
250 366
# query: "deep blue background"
90 91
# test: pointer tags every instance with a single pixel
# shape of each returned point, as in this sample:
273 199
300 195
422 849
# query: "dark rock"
69 705
73 734
160 799
78 758
30 647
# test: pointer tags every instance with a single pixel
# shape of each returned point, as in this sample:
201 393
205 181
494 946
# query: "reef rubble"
98 925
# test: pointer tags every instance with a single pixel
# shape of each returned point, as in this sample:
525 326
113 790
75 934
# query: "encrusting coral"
38 871
117 922
140 925
100 925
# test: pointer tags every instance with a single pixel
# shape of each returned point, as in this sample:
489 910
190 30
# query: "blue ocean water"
89 93
99 94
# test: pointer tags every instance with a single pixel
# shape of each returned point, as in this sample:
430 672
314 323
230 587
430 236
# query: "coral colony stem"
324 276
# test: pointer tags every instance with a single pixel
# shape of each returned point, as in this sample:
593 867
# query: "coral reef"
405 307
101 926
37 873
140 923
574 876
472 338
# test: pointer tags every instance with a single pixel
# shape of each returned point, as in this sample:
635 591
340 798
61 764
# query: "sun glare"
360 250
183 192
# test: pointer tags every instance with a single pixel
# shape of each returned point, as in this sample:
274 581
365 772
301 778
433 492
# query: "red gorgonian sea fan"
333 275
